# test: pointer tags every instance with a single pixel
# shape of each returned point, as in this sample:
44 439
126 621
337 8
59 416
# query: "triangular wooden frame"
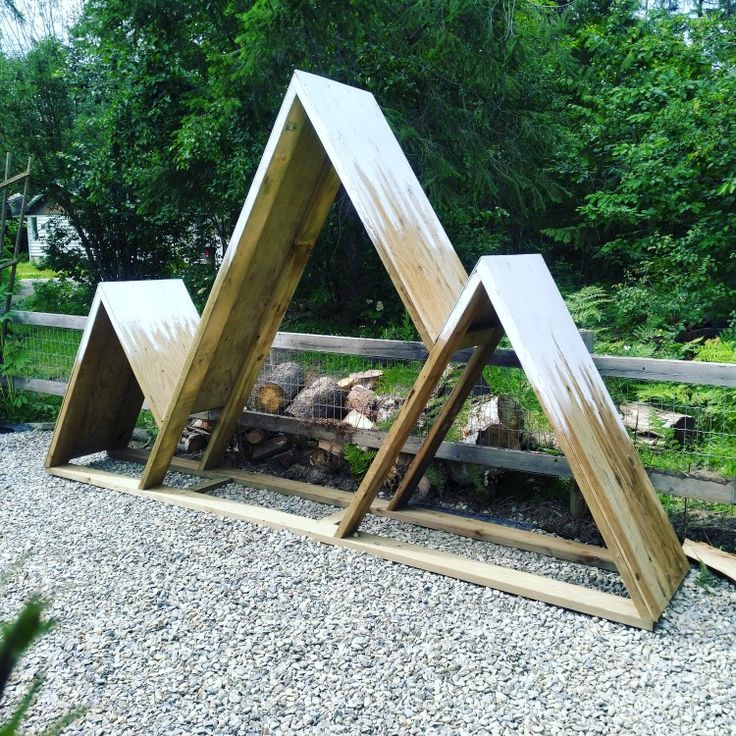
145 341
132 349
326 134
516 296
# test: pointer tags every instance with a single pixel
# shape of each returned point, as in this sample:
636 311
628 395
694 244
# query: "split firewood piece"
645 419
269 448
322 400
717 559
360 421
328 453
369 379
279 387
495 422
191 442
204 424
361 399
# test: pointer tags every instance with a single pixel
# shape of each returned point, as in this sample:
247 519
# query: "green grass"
28 270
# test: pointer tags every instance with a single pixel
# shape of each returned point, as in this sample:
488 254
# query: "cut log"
359 421
278 387
255 436
322 400
495 422
645 419
369 379
191 442
361 399
271 447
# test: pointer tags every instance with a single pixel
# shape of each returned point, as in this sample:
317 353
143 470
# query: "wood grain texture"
588 427
468 307
716 559
443 422
574 597
325 133
155 322
388 198
103 399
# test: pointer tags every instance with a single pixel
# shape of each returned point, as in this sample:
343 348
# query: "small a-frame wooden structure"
133 347
147 343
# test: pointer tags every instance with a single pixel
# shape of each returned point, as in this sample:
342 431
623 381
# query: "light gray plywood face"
155 322
587 426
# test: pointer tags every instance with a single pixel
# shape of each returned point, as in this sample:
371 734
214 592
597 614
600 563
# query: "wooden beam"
639 369
574 597
463 526
717 559
444 420
412 407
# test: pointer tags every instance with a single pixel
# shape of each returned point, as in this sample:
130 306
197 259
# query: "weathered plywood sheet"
396 213
587 426
103 398
155 322
717 559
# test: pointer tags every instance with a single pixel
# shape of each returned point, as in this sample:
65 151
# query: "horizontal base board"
527 585
584 554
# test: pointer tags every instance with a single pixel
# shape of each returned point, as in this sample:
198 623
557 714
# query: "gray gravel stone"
171 621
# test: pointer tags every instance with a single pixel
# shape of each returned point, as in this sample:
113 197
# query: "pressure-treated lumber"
132 348
717 559
470 304
444 420
325 134
574 597
589 429
463 526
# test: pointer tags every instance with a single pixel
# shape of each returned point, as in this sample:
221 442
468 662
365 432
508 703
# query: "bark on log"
322 400
278 387
645 419
361 399
369 379
496 422
269 448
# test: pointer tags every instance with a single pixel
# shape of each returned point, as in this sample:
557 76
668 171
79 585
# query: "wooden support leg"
444 421
415 402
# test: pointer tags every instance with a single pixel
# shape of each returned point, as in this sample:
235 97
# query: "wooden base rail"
463 526
573 597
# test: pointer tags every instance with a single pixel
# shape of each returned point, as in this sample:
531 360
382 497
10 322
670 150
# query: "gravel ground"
171 621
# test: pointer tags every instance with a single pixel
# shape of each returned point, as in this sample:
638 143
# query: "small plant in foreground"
17 638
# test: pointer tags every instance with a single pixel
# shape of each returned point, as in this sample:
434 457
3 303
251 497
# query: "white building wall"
38 229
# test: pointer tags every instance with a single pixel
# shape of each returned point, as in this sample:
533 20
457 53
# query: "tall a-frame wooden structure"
327 134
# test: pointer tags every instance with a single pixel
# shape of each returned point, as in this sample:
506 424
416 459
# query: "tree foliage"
593 132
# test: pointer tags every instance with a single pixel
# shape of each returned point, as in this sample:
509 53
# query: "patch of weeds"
358 459
706 579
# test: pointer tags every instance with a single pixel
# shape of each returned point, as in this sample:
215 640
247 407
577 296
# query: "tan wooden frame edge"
527 585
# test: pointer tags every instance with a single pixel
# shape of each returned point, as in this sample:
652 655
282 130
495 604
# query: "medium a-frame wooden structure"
151 343
517 297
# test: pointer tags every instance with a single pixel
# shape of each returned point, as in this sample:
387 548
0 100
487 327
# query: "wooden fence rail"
642 369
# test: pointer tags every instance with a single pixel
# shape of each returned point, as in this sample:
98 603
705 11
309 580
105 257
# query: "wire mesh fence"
679 427
674 426
46 353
